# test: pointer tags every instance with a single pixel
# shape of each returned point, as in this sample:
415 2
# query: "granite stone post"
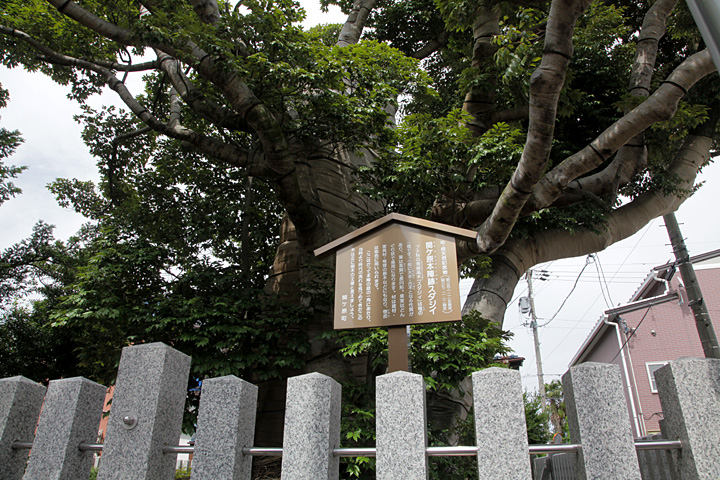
598 420
70 416
312 428
146 413
20 403
500 427
689 390
401 427
226 424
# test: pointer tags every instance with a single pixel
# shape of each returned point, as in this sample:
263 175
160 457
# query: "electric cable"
600 283
587 262
632 333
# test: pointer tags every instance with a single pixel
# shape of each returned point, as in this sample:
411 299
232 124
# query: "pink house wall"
662 333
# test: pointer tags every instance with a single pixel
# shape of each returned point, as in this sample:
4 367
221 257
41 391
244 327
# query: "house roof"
612 315
637 301
694 259
388 220
667 270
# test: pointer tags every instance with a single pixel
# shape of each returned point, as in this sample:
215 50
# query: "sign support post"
398 359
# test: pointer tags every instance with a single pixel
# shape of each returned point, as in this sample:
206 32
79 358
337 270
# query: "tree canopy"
553 128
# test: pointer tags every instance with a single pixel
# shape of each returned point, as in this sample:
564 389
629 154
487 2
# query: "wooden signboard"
396 271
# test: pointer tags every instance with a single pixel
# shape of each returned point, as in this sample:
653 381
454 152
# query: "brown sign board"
398 270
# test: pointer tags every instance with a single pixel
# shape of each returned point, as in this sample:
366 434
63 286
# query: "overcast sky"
53 148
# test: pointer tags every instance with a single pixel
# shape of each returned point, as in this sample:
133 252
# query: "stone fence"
59 424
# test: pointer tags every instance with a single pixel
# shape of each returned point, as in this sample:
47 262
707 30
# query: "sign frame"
385 269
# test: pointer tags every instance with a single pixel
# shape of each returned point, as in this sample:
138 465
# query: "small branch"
122 137
125 67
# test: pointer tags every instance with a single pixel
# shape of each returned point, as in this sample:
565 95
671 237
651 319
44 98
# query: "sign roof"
387 220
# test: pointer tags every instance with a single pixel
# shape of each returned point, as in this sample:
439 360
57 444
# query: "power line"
632 333
608 303
587 262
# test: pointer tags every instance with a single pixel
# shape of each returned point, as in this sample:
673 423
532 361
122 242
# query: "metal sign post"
394 272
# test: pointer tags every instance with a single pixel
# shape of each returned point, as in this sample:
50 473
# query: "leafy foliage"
556 408
538 423
437 158
445 354
10 140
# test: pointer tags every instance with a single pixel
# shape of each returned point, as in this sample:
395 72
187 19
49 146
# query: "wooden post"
398 349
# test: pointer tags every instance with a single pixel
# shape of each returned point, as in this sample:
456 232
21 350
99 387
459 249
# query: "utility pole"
538 360
705 329
707 18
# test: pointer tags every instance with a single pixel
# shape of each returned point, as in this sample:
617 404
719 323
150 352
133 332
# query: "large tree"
553 128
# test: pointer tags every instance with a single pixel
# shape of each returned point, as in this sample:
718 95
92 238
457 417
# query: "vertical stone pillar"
401 427
20 403
500 424
226 424
598 419
689 390
70 416
146 413
312 428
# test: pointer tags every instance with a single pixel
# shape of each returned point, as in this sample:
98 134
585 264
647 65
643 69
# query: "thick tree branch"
432 46
661 105
511 115
227 153
632 157
490 296
545 86
207 145
206 10
480 100
220 116
653 29
355 23
550 191
625 220
95 23
279 166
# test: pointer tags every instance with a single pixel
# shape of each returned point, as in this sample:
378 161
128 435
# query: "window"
653 367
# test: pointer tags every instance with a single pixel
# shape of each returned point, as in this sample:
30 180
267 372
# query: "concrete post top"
496 370
20 379
75 380
310 376
153 346
590 366
399 374
226 378
694 360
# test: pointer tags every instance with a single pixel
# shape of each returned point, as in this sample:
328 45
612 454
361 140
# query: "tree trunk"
328 179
